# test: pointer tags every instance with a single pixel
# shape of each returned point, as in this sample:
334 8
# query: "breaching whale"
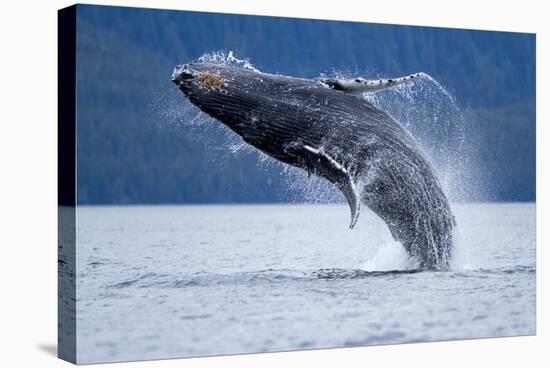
323 127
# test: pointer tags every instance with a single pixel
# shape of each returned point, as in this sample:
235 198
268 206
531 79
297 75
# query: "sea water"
183 281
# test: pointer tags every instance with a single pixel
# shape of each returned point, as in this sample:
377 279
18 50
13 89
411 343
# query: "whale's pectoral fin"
366 85
343 179
350 192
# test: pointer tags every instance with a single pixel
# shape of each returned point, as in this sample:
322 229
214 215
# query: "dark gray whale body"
318 126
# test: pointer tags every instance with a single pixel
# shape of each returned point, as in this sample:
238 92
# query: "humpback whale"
323 127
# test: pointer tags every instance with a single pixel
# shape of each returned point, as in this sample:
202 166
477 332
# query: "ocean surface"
183 281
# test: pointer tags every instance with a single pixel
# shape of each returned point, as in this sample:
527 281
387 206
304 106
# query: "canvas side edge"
66 172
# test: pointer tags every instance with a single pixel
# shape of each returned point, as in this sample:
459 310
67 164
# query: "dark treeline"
124 60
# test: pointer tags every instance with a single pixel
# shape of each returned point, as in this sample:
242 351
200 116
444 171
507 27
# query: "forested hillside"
135 146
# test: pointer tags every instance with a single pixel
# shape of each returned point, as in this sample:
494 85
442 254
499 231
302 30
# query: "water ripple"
157 280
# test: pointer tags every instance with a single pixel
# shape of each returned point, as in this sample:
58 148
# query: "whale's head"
242 98
227 93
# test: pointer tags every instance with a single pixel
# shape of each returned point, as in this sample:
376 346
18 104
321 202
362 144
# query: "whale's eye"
211 80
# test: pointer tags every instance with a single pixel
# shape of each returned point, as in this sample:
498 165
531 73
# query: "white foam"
389 257
461 259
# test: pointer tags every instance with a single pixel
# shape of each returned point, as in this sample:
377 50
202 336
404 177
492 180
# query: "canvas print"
235 184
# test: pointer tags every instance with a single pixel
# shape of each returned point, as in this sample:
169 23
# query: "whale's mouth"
183 73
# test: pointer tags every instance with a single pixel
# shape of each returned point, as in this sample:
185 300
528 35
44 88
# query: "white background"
28 191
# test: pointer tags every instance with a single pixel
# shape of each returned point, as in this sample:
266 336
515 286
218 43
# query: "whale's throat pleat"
336 172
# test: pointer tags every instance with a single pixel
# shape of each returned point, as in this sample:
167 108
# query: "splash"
389 257
220 57
302 187
424 107
461 253
434 118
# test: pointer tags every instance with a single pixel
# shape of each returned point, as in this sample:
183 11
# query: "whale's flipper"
350 192
343 179
366 85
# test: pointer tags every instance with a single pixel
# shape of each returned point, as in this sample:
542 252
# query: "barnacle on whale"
211 80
